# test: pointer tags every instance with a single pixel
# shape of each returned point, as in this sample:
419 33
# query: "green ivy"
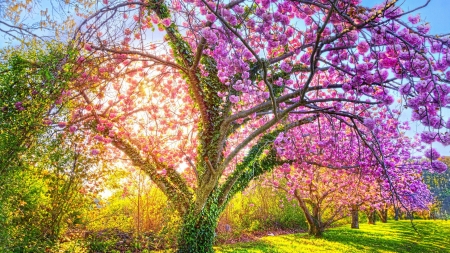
30 82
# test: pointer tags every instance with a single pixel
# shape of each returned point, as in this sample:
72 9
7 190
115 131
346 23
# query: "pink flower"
211 18
363 47
95 151
48 122
62 124
19 106
428 137
88 47
166 22
72 129
369 123
80 59
286 67
286 168
438 166
432 154
100 127
234 99
414 19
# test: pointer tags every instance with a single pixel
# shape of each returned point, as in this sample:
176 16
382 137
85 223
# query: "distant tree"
439 185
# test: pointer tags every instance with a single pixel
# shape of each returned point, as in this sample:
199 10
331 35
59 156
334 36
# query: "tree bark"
396 216
315 228
371 217
383 215
355 217
315 225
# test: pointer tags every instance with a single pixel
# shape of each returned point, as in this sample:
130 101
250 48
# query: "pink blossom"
414 19
286 67
432 154
19 106
363 47
80 59
100 127
166 22
95 152
211 17
88 47
72 129
369 123
62 124
234 99
428 137
438 166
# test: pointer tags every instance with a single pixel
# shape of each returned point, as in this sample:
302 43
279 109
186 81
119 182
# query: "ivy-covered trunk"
355 217
198 230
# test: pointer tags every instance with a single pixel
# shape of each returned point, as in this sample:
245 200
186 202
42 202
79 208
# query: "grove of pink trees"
332 177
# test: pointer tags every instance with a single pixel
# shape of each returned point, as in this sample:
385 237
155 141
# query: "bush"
259 209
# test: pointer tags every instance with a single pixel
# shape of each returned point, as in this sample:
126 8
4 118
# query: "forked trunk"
315 229
315 225
355 217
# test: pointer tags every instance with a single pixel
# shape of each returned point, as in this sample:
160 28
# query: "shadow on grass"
395 236
391 237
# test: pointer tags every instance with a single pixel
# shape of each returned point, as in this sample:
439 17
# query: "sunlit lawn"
394 236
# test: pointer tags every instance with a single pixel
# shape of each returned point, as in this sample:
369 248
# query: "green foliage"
30 82
384 237
439 184
259 209
137 212
103 242
198 229
41 200
22 196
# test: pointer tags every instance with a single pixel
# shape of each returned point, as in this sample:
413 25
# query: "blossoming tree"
332 176
195 92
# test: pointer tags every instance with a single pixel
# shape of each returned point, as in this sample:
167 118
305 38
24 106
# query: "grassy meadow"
394 236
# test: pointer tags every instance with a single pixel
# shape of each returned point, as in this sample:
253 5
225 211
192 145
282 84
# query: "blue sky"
437 12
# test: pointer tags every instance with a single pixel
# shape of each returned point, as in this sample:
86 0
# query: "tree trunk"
315 229
371 217
355 217
198 231
383 215
396 216
315 226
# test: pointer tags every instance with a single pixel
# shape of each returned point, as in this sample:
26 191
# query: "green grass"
394 236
